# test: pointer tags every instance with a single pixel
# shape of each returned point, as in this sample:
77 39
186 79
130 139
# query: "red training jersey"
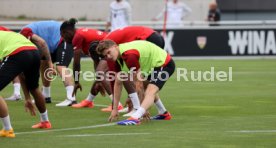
130 33
84 36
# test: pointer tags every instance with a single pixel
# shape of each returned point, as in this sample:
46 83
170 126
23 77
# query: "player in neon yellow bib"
143 59
20 56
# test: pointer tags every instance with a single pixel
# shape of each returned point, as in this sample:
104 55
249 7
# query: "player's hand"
129 104
52 68
29 107
114 115
146 116
76 87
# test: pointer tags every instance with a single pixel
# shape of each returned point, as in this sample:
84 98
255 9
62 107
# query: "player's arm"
76 65
77 43
28 101
76 71
116 86
160 15
43 48
116 98
96 59
117 92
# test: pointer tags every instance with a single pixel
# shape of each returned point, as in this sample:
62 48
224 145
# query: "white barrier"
156 25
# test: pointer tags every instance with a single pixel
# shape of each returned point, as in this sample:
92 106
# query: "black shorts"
27 61
160 75
156 39
63 55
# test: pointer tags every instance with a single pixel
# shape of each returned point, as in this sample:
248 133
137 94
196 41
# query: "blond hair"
103 45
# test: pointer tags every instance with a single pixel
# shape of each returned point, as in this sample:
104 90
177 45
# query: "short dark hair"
103 45
69 24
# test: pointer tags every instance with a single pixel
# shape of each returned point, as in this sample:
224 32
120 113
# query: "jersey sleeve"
27 32
113 66
131 58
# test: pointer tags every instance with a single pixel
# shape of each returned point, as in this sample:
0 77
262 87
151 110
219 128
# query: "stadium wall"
222 41
96 10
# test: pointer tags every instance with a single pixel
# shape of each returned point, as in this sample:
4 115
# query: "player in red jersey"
128 34
16 82
132 33
81 39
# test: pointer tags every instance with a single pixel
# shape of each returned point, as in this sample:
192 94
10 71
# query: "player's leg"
64 55
163 114
7 130
16 90
101 86
9 69
133 102
101 70
31 74
150 93
158 80
46 81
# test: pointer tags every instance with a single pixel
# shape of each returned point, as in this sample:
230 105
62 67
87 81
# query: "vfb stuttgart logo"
201 41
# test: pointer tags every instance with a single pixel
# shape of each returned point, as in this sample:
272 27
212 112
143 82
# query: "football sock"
46 91
160 107
139 113
6 123
69 91
16 89
135 100
44 116
90 97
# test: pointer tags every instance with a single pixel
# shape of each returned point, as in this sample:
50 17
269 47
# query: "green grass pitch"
240 113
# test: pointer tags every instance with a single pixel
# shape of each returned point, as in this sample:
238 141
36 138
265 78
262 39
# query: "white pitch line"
254 131
99 105
67 129
113 134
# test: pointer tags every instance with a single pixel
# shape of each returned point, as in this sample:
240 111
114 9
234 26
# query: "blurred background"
142 10
206 28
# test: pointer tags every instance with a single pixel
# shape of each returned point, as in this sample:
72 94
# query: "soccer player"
16 82
137 57
81 39
132 33
128 34
176 11
46 34
20 56
119 15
